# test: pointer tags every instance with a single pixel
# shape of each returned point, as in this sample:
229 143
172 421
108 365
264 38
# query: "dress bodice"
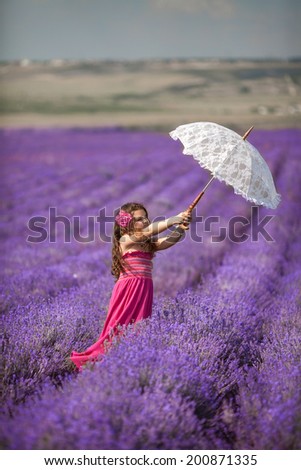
137 264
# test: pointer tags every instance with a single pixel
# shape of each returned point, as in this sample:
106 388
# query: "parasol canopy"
229 158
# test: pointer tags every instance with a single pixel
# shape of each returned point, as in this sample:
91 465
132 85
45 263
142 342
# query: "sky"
149 29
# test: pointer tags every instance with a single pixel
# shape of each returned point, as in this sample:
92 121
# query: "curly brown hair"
118 263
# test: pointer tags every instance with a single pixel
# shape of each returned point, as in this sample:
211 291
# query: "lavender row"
189 371
50 270
201 375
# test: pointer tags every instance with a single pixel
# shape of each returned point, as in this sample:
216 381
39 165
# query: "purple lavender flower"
217 366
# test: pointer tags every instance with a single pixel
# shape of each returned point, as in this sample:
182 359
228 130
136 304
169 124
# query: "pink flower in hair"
123 218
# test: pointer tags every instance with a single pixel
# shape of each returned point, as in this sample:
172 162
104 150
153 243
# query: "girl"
134 246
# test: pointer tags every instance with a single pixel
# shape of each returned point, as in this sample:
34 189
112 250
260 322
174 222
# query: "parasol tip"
248 132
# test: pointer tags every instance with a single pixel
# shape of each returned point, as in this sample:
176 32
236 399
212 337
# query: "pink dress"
131 301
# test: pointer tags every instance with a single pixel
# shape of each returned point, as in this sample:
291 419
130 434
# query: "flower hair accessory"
123 218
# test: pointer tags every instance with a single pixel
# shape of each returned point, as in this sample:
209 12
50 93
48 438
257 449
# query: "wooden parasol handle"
247 133
201 194
195 201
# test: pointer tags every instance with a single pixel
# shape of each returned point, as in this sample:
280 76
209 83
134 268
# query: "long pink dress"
131 301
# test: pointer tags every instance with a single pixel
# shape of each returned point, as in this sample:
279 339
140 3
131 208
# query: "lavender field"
217 366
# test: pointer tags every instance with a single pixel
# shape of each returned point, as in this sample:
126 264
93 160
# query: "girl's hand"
185 219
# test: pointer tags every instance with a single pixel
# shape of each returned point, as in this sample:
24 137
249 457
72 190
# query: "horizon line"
58 61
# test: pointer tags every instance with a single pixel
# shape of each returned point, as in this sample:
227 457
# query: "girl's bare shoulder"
126 241
130 242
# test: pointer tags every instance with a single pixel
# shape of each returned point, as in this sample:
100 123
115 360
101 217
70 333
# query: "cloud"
217 8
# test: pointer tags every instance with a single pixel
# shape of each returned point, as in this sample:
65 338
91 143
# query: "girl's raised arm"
166 242
157 227
139 236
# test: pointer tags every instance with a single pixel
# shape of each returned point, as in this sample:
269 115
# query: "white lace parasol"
231 159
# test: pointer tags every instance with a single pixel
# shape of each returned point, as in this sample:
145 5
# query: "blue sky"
144 29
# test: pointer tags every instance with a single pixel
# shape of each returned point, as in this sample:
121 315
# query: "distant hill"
151 94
